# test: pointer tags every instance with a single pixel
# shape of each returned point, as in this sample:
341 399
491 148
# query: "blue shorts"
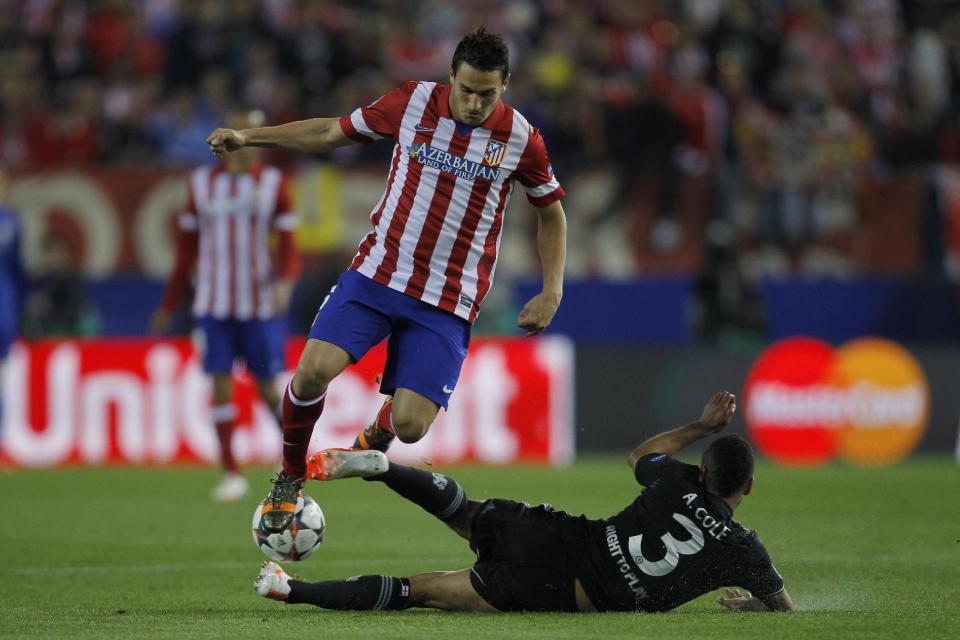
258 342
427 345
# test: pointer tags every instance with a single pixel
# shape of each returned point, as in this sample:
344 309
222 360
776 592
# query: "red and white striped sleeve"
536 174
381 119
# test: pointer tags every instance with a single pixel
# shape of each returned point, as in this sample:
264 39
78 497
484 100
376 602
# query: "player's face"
475 93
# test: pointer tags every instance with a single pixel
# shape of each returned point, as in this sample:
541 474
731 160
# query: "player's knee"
310 381
410 428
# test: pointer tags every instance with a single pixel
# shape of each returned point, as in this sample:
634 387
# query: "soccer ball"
301 539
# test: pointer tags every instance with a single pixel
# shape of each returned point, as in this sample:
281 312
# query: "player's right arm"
188 243
188 247
379 119
315 135
717 414
737 601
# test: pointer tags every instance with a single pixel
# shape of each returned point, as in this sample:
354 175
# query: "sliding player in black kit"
673 543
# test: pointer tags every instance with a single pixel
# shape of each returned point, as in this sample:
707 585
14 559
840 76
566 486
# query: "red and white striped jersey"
230 217
436 229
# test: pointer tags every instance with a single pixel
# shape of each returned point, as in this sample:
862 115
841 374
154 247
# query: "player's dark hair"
728 465
483 51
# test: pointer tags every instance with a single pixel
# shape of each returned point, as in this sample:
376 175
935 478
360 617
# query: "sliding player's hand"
222 141
736 601
719 411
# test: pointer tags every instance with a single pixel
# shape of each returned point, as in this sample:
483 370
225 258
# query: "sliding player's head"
727 466
479 73
244 158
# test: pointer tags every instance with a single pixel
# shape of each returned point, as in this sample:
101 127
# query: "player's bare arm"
537 314
316 135
735 600
717 414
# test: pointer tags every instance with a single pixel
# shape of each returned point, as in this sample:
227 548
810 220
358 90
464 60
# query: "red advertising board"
146 402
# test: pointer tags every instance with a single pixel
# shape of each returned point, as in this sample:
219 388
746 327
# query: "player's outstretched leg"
449 590
379 435
439 495
359 593
337 464
272 582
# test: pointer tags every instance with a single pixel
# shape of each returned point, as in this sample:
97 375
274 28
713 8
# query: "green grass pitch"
94 553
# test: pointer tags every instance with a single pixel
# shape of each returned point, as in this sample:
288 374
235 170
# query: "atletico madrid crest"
493 156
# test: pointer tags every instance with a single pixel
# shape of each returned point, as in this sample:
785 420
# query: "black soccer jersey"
675 542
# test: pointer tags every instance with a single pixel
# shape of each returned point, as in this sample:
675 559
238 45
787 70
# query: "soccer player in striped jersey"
422 272
242 290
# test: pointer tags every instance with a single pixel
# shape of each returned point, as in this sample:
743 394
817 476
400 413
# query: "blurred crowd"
756 82
775 110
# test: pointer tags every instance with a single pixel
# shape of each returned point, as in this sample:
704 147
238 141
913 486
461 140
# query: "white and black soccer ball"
299 540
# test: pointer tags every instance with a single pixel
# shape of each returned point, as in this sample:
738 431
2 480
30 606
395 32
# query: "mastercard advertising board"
807 402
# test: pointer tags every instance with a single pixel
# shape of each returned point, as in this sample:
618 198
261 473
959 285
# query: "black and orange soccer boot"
378 435
281 503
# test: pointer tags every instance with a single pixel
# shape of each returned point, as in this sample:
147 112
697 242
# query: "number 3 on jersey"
675 548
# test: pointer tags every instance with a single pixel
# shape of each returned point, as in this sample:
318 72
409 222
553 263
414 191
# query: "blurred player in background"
673 543
421 274
12 280
242 289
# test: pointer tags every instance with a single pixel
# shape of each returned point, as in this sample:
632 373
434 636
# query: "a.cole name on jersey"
457 165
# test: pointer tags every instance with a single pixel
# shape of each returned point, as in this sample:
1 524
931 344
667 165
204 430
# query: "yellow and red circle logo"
807 403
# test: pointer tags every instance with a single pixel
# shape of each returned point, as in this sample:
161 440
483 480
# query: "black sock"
435 492
359 593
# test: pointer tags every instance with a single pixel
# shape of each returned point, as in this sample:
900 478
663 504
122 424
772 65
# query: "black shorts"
522 562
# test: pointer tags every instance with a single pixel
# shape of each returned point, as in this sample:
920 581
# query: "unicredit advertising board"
146 402
807 402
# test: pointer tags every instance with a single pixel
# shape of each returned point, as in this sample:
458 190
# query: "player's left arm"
544 192
552 246
716 415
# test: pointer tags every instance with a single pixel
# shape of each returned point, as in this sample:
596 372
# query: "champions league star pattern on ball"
299 540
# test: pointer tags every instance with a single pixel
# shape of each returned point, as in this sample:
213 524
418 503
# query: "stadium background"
738 173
